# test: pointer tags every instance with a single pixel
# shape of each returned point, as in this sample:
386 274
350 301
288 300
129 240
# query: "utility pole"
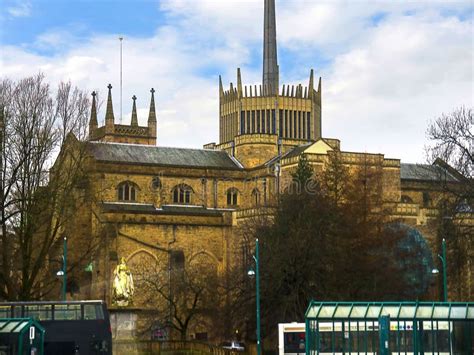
121 40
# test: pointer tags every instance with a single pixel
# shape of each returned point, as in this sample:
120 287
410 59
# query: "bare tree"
451 148
72 111
452 139
39 200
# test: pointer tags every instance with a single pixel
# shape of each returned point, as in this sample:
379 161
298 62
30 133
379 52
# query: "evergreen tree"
303 173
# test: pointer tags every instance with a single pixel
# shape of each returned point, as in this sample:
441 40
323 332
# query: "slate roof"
425 172
296 151
152 155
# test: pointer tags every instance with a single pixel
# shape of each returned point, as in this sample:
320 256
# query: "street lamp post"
257 294
64 268
445 278
257 281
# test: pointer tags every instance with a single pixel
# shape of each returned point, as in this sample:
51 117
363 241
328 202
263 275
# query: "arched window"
182 194
127 191
406 199
232 197
256 197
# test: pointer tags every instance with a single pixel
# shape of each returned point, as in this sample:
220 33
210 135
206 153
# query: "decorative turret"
121 133
109 113
239 82
152 118
134 122
93 125
311 84
221 89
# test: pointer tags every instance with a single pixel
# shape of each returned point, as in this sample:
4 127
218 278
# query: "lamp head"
435 271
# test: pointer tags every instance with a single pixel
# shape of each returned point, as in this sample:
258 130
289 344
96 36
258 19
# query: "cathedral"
160 208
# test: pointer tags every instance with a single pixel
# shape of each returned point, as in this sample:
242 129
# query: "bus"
72 327
291 339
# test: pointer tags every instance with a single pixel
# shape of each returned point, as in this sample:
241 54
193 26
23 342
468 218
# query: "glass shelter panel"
424 311
313 312
358 311
441 312
407 312
470 312
342 311
326 311
458 312
374 311
391 311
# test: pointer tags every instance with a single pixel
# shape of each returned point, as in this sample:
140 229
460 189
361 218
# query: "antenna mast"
121 39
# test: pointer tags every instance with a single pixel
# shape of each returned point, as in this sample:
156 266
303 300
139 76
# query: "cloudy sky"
388 67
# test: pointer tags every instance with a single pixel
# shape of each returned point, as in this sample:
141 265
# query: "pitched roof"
296 151
152 155
426 172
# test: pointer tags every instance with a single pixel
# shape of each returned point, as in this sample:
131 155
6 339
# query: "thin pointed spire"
311 84
109 113
134 112
152 114
319 85
239 82
221 88
270 60
93 124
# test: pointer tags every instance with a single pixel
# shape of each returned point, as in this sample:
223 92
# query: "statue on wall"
123 285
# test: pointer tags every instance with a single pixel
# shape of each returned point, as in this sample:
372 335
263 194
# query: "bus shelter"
21 336
389 327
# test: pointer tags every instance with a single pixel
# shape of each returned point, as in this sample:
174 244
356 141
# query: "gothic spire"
311 84
239 83
221 88
109 112
270 61
93 120
134 112
152 114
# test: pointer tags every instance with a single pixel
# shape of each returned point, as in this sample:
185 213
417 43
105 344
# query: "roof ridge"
158 146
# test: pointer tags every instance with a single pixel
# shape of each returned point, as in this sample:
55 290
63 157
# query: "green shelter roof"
16 325
329 311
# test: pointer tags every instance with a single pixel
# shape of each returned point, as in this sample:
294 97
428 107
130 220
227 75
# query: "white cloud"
405 72
391 68
20 9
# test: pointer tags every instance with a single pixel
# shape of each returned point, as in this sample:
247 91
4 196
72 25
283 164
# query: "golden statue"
123 285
